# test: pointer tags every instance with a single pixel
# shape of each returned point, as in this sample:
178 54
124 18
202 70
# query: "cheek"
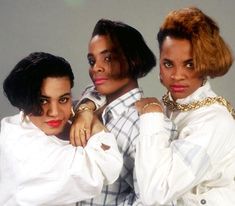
164 76
44 110
119 70
67 110
90 72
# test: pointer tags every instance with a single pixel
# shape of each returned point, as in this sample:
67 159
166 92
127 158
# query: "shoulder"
210 118
215 112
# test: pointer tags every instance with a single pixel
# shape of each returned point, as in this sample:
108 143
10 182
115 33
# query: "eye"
64 100
190 65
108 58
167 64
43 101
91 61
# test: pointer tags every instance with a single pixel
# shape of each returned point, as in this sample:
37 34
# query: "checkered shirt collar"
121 104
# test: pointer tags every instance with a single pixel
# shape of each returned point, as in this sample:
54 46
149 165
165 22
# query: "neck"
121 91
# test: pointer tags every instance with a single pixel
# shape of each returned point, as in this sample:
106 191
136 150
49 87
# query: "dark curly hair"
22 86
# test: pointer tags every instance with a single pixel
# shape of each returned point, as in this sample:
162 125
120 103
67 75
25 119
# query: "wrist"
85 107
152 107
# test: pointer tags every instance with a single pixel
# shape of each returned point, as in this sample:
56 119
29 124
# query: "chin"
102 91
55 132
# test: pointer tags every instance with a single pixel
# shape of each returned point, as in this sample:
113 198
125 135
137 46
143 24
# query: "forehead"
176 48
100 43
55 86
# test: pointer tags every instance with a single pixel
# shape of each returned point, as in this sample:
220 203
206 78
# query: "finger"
88 134
83 137
71 137
77 138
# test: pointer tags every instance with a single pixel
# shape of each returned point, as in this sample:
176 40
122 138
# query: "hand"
97 126
80 130
150 104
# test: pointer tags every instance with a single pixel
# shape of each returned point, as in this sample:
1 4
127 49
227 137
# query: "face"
56 105
106 65
176 68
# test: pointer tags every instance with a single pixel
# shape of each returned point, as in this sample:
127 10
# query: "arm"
80 130
176 166
81 127
63 174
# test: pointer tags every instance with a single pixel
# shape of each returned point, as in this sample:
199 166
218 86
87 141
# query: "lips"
178 88
100 80
54 123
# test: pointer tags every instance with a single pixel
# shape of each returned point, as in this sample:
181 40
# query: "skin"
106 64
56 105
176 68
177 73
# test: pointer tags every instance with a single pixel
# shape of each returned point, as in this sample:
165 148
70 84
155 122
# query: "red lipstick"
54 123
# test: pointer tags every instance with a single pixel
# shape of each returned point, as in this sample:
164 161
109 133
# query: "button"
203 201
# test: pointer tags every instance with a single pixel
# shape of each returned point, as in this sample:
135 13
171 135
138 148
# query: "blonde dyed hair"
211 55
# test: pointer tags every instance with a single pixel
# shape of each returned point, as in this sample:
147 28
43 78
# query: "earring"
72 112
204 80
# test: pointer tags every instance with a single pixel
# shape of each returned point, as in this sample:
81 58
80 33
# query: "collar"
121 104
203 96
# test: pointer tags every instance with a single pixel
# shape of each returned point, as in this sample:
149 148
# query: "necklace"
174 106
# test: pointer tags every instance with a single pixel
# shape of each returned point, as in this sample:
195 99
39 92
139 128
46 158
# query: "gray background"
63 27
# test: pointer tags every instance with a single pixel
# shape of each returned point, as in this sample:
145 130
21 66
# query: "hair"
139 57
23 85
211 55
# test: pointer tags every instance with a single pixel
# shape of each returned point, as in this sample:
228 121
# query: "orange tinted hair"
211 55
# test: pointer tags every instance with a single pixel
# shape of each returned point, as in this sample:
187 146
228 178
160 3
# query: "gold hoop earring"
204 80
72 112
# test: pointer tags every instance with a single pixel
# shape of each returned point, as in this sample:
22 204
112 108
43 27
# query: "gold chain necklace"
195 105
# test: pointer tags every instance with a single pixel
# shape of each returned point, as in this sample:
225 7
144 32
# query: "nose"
98 67
53 109
177 73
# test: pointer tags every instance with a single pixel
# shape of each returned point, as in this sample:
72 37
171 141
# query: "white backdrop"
63 27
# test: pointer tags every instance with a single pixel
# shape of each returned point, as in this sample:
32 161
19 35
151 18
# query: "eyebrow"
103 52
65 94
186 61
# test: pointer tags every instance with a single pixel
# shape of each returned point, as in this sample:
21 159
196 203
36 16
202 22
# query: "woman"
118 57
195 165
36 167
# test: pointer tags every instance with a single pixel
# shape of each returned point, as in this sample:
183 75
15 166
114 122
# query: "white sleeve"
91 94
56 174
166 169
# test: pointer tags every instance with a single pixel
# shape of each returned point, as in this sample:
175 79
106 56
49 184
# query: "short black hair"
22 86
139 56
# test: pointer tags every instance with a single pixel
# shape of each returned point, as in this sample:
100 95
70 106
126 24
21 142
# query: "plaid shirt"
121 118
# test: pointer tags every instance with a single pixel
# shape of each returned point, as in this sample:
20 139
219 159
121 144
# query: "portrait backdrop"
63 27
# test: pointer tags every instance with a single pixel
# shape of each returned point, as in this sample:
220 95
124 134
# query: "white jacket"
36 169
197 167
